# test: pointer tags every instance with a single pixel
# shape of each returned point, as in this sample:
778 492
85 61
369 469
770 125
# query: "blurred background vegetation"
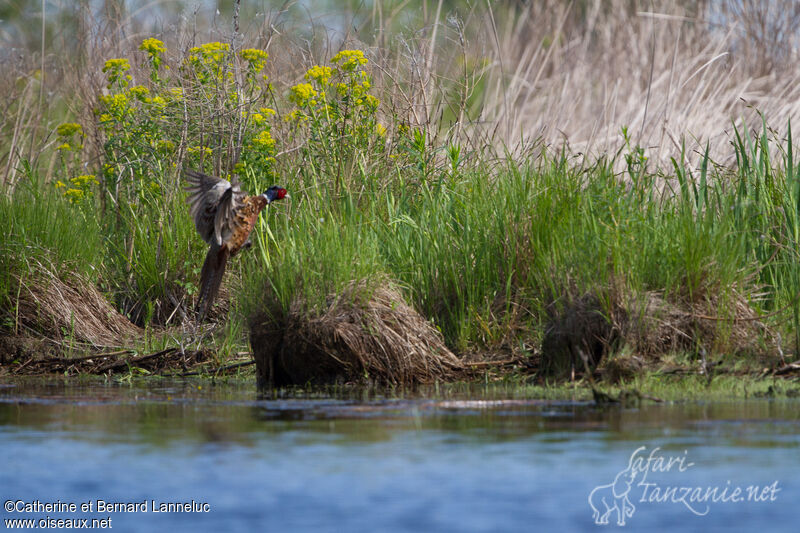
561 72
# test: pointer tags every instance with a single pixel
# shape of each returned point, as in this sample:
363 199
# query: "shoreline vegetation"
428 238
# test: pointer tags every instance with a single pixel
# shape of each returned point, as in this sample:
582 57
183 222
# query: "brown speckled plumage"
224 217
246 218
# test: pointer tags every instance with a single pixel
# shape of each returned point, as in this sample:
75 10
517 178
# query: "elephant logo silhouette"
606 499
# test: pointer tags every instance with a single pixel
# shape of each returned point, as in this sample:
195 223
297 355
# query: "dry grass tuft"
657 327
363 334
74 308
592 328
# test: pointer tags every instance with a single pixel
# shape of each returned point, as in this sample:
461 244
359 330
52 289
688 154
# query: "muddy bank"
66 326
372 336
30 356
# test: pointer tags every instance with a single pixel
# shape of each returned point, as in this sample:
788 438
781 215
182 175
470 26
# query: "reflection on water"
480 460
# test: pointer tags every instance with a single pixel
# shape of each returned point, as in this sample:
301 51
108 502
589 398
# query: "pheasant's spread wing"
214 203
230 204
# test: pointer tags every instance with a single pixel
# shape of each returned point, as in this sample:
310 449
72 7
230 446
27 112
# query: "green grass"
482 251
482 245
154 258
42 230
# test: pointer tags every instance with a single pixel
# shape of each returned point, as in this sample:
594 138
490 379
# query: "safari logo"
649 479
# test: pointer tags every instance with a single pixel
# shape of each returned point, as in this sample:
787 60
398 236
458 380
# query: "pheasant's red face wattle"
275 193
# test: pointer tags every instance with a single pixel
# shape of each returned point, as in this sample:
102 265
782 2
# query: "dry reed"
71 309
547 72
362 335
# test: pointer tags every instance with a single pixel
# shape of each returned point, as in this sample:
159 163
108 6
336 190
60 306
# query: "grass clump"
42 231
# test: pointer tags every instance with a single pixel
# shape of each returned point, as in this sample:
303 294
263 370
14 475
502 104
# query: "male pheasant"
224 216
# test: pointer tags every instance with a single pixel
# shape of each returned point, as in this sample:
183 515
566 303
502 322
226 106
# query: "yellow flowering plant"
153 120
115 69
319 74
211 108
256 61
349 60
155 50
138 113
338 93
258 156
335 111
70 139
70 136
210 62
78 188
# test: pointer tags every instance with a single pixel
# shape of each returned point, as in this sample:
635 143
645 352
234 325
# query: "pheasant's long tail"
211 278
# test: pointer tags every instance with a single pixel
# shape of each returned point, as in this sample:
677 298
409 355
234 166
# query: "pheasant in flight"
224 216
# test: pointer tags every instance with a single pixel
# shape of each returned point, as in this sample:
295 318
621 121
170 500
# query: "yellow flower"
264 140
319 74
139 91
68 129
296 116
84 180
164 145
380 129
207 61
254 54
257 58
120 65
74 195
370 102
59 184
302 93
349 59
114 68
209 52
154 49
157 101
112 100
117 104
266 111
214 47
205 150
152 46
64 147
176 92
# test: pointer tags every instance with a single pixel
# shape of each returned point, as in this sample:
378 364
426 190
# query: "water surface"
479 460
